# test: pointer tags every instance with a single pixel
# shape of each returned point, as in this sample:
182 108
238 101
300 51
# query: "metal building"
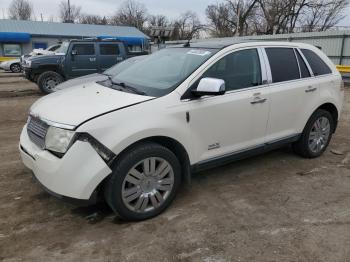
336 44
21 37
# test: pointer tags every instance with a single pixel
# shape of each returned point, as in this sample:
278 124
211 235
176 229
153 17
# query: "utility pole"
238 17
69 11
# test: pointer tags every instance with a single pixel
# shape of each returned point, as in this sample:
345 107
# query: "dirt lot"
275 207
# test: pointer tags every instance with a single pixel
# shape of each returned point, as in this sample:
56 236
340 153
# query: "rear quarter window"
318 66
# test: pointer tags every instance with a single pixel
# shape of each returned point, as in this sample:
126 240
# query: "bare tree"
323 14
218 16
20 10
92 19
241 12
69 13
131 13
158 20
273 16
187 26
280 16
231 17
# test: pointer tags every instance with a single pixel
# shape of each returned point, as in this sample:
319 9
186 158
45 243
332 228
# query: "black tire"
16 68
113 187
48 80
302 147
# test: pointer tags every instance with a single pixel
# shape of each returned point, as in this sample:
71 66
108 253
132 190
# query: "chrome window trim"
227 93
263 66
306 62
268 67
296 57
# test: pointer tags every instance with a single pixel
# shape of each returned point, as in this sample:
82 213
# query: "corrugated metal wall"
336 44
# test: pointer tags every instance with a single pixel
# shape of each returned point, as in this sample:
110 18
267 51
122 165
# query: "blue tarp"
127 39
14 37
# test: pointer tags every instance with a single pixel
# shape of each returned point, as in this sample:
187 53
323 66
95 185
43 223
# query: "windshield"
161 72
63 48
116 69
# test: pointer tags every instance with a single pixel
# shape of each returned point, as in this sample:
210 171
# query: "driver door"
236 121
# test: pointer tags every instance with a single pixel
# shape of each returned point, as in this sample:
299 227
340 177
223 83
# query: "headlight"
58 140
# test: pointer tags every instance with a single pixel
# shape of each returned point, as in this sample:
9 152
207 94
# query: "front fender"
122 128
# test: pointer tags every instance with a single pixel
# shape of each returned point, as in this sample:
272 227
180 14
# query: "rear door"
82 60
293 91
109 55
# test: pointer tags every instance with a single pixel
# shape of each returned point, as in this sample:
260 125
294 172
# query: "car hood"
81 80
75 105
39 58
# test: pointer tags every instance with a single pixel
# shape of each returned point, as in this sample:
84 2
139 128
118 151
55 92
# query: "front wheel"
16 68
48 81
144 182
316 135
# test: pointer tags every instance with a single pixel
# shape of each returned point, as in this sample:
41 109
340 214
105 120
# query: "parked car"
11 65
110 72
48 51
73 59
134 138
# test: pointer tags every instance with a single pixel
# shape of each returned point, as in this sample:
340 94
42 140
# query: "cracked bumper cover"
76 175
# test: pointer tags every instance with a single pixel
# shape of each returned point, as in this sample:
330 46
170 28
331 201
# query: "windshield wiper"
129 88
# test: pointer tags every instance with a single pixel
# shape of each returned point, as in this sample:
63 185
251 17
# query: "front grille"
37 130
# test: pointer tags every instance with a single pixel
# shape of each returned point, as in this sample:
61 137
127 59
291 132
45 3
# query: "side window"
239 69
304 71
283 64
84 49
318 66
109 49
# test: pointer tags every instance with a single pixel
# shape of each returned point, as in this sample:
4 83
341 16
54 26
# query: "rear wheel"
144 182
16 68
48 81
316 135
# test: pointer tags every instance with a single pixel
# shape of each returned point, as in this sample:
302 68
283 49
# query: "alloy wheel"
319 134
50 83
16 68
148 184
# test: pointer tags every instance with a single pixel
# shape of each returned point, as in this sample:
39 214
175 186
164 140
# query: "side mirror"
74 52
209 87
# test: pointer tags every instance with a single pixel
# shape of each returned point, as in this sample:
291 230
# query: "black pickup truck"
73 59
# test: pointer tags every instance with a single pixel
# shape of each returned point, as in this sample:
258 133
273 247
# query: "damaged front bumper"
74 176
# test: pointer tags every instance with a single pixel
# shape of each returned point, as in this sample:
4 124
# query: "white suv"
132 139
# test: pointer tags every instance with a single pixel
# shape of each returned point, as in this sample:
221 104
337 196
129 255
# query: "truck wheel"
316 135
47 81
144 182
16 68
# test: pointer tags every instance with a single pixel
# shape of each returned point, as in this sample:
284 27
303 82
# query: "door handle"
310 89
258 100
92 59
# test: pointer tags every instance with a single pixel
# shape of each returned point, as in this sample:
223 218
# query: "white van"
132 139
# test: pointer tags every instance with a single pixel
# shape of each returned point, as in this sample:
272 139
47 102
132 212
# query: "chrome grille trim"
37 130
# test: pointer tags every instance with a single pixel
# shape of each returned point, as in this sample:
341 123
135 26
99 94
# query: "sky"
170 8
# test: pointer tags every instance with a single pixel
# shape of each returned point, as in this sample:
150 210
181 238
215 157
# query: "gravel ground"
274 207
